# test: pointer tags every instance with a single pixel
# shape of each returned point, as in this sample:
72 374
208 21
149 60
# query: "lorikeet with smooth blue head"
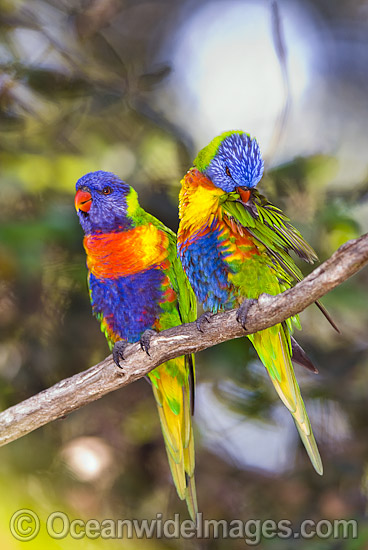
137 285
235 245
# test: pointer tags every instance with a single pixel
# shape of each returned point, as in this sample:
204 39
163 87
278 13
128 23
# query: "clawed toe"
206 316
145 339
118 352
243 311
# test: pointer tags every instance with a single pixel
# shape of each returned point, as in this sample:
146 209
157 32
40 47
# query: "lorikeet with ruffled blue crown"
137 285
235 245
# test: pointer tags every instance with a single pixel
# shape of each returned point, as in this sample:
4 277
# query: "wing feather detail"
270 227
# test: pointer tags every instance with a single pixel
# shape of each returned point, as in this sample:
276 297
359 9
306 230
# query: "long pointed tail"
274 351
170 383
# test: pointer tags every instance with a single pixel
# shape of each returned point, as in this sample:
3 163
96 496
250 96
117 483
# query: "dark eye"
228 173
106 190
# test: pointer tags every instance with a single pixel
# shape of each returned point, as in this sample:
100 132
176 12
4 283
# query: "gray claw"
206 316
118 352
243 311
145 339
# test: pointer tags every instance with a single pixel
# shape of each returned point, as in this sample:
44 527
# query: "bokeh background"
137 87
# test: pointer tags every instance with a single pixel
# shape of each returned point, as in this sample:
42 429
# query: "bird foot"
118 352
243 311
206 316
145 339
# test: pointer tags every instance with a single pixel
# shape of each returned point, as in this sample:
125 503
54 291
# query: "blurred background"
138 87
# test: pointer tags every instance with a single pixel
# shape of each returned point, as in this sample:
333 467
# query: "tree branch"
72 393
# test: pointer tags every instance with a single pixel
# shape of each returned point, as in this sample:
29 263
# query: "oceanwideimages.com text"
25 525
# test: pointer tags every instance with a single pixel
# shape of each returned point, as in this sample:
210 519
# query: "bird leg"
145 339
118 352
243 311
206 316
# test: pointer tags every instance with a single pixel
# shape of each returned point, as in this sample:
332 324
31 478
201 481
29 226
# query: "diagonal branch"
72 393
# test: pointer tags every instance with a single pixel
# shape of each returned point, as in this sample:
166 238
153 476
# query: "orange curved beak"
83 200
244 194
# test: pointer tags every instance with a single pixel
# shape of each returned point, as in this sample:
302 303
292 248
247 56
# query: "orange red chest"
124 253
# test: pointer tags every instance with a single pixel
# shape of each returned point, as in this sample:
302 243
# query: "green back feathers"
205 156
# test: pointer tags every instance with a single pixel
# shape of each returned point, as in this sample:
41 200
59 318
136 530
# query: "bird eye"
228 173
106 190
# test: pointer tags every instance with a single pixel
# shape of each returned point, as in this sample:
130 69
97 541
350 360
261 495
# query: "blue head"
101 202
232 160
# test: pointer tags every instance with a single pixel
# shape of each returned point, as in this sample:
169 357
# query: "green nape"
206 154
132 203
137 214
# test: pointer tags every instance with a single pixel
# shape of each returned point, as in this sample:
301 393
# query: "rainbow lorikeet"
235 245
137 285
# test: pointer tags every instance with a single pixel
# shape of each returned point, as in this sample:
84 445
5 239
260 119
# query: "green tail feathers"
274 350
173 398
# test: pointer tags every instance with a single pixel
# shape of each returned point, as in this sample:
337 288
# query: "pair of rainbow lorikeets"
232 245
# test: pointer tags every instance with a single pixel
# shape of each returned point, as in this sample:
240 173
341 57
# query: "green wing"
187 304
272 228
